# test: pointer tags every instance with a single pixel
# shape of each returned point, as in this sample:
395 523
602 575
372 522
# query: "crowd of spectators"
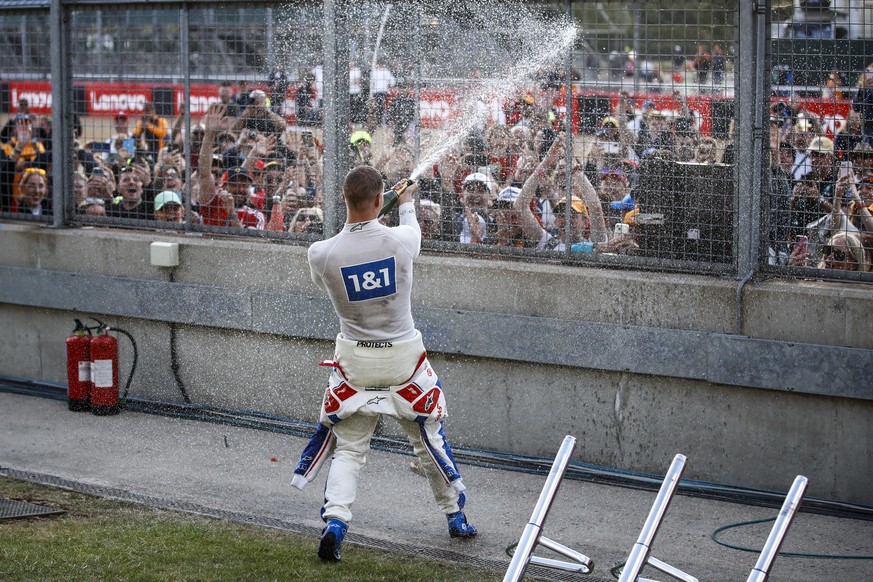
821 183
509 186
242 158
514 183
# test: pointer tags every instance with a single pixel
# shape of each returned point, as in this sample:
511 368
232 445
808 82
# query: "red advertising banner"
202 96
110 98
438 106
37 93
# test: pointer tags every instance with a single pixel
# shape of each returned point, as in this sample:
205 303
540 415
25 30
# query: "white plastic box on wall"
165 254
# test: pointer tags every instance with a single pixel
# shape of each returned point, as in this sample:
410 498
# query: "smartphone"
306 138
610 147
97 172
845 169
129 144
621 229
801 245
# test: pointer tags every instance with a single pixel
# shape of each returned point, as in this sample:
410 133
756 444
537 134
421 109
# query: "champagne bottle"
389 197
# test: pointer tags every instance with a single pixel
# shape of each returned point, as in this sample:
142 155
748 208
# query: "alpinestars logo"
428 404
359 226
375 400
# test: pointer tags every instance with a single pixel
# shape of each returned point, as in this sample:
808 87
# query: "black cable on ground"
174 354
489 459
133 365
174 364
714 537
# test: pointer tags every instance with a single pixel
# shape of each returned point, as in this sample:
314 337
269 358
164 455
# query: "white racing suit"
370 378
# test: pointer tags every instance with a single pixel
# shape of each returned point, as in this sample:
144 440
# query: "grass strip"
102 539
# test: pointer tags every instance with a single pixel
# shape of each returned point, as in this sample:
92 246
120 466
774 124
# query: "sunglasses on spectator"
303 217
90 201
170 206
39 171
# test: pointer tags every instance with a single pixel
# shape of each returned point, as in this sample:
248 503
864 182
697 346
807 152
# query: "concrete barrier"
635 365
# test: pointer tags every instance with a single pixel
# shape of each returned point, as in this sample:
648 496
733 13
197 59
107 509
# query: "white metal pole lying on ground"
532 534
780 528
639 555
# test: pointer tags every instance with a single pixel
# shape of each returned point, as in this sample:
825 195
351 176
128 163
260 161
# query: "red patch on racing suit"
333 398
427 403
410 393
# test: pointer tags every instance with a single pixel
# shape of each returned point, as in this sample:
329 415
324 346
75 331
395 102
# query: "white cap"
509 195
480 177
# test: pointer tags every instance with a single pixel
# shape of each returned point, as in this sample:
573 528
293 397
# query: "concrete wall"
638 366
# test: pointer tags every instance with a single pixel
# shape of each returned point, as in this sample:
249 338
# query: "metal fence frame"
751 176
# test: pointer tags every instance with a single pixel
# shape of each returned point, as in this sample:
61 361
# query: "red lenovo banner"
37 93
107 99
111 98
438 106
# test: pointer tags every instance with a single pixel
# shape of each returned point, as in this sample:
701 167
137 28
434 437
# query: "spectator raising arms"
258 117
8 131
580 218
224 206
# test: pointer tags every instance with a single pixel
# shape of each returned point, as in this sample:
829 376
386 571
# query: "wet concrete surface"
232 469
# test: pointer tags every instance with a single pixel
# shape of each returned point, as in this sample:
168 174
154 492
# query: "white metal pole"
780 528
640 552
532 531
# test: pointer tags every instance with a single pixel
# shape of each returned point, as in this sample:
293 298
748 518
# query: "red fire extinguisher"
104 372
79 368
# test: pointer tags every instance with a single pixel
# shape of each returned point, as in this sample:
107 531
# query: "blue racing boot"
458 526
331 539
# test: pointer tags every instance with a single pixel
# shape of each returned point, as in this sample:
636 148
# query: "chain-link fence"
821 130
224 119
